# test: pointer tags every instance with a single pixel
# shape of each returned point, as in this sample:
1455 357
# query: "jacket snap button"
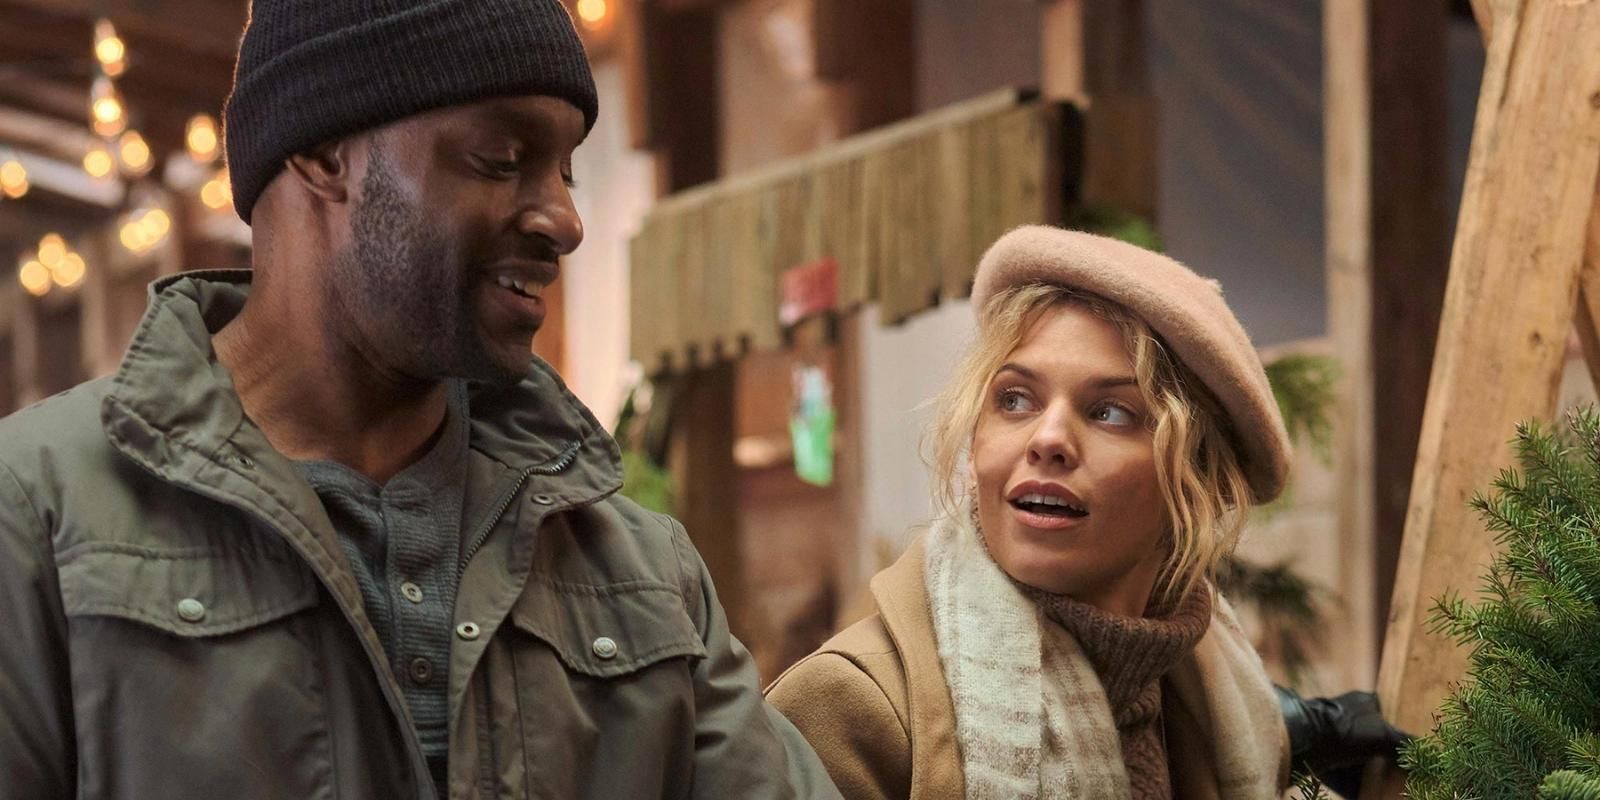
468 630
543 499
605 648
191 610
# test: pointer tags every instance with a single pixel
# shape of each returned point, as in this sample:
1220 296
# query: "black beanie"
312 71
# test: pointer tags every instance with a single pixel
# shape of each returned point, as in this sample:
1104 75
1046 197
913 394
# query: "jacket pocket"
608 631
188 592
196 672
606 687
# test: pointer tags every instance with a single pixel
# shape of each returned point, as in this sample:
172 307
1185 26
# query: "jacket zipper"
554 466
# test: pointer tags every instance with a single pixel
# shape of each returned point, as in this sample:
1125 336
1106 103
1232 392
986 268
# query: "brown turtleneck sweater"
1130 656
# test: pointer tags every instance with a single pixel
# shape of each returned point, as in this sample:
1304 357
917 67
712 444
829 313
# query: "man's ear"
325 170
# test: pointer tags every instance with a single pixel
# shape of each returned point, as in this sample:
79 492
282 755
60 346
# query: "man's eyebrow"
513 120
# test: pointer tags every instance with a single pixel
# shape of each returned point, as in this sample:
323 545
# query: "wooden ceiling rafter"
198 27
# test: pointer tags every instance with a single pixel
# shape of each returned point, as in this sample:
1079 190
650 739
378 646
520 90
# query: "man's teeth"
508 282
1049 500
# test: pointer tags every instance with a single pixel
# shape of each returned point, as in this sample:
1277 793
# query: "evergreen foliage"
1304 387
1287 604
1117 223
1524 722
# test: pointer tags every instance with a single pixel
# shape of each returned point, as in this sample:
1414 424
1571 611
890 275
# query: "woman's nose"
1055 441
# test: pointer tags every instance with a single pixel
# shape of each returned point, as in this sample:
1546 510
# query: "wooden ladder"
1525 268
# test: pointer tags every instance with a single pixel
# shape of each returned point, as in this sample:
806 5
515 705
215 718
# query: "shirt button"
468 630
411 591
543 499
421 671
605 648
191 610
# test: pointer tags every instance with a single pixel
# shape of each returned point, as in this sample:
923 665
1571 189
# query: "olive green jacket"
178 619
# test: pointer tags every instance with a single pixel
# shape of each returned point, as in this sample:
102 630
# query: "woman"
1055 632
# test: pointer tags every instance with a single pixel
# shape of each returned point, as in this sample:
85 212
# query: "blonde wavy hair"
1206 494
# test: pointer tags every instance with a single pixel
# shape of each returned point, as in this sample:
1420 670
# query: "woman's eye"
1011 401
1115 415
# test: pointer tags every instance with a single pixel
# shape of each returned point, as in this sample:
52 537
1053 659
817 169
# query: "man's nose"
553 218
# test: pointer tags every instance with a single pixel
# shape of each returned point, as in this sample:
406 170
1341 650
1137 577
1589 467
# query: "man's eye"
498 167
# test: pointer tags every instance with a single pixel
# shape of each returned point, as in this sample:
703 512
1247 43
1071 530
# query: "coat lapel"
903 606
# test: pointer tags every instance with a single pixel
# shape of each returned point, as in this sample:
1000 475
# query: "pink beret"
1185 310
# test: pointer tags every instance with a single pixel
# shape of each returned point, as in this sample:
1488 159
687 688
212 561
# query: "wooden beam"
1347 166
1509 307
1410 255
700 457
208 27
1588 316
1094 55
680 61
51 137
164 58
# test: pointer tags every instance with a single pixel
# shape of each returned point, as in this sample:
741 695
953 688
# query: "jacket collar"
902 599
172 407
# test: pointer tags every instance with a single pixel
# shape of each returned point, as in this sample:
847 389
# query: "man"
326 533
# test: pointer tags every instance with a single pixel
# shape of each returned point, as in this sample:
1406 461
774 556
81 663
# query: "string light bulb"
109 48
144 230
13 178
69 272
34 277
52 248
98 162
106 109
135 152
217 193
201 137
593 12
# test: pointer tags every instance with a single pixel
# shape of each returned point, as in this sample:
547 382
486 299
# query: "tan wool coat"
874 703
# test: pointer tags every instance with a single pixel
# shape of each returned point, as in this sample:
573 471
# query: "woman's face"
1065 466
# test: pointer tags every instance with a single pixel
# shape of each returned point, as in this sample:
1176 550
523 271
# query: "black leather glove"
1334 738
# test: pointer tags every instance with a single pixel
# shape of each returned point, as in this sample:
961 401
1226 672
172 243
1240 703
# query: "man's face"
456 228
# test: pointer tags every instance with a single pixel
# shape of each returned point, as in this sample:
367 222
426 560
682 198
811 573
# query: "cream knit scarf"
1032 719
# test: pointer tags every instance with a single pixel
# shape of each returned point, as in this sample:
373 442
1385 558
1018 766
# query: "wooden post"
1347 97
1509 306
1093 54
700 457
1410 251
673 82
1388 256
1588 317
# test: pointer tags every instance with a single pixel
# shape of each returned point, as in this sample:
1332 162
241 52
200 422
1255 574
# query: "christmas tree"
1524 721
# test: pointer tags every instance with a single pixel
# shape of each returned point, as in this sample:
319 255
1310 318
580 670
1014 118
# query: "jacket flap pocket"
188 592
611 630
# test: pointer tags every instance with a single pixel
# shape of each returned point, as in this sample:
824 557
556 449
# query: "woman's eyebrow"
1018 369
1115 381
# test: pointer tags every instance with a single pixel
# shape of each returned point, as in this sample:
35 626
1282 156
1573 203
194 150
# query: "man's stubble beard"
397 287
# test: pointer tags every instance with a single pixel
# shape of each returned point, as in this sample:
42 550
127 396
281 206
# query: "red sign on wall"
807 290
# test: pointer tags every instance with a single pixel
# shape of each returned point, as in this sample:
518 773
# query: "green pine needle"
1525 721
